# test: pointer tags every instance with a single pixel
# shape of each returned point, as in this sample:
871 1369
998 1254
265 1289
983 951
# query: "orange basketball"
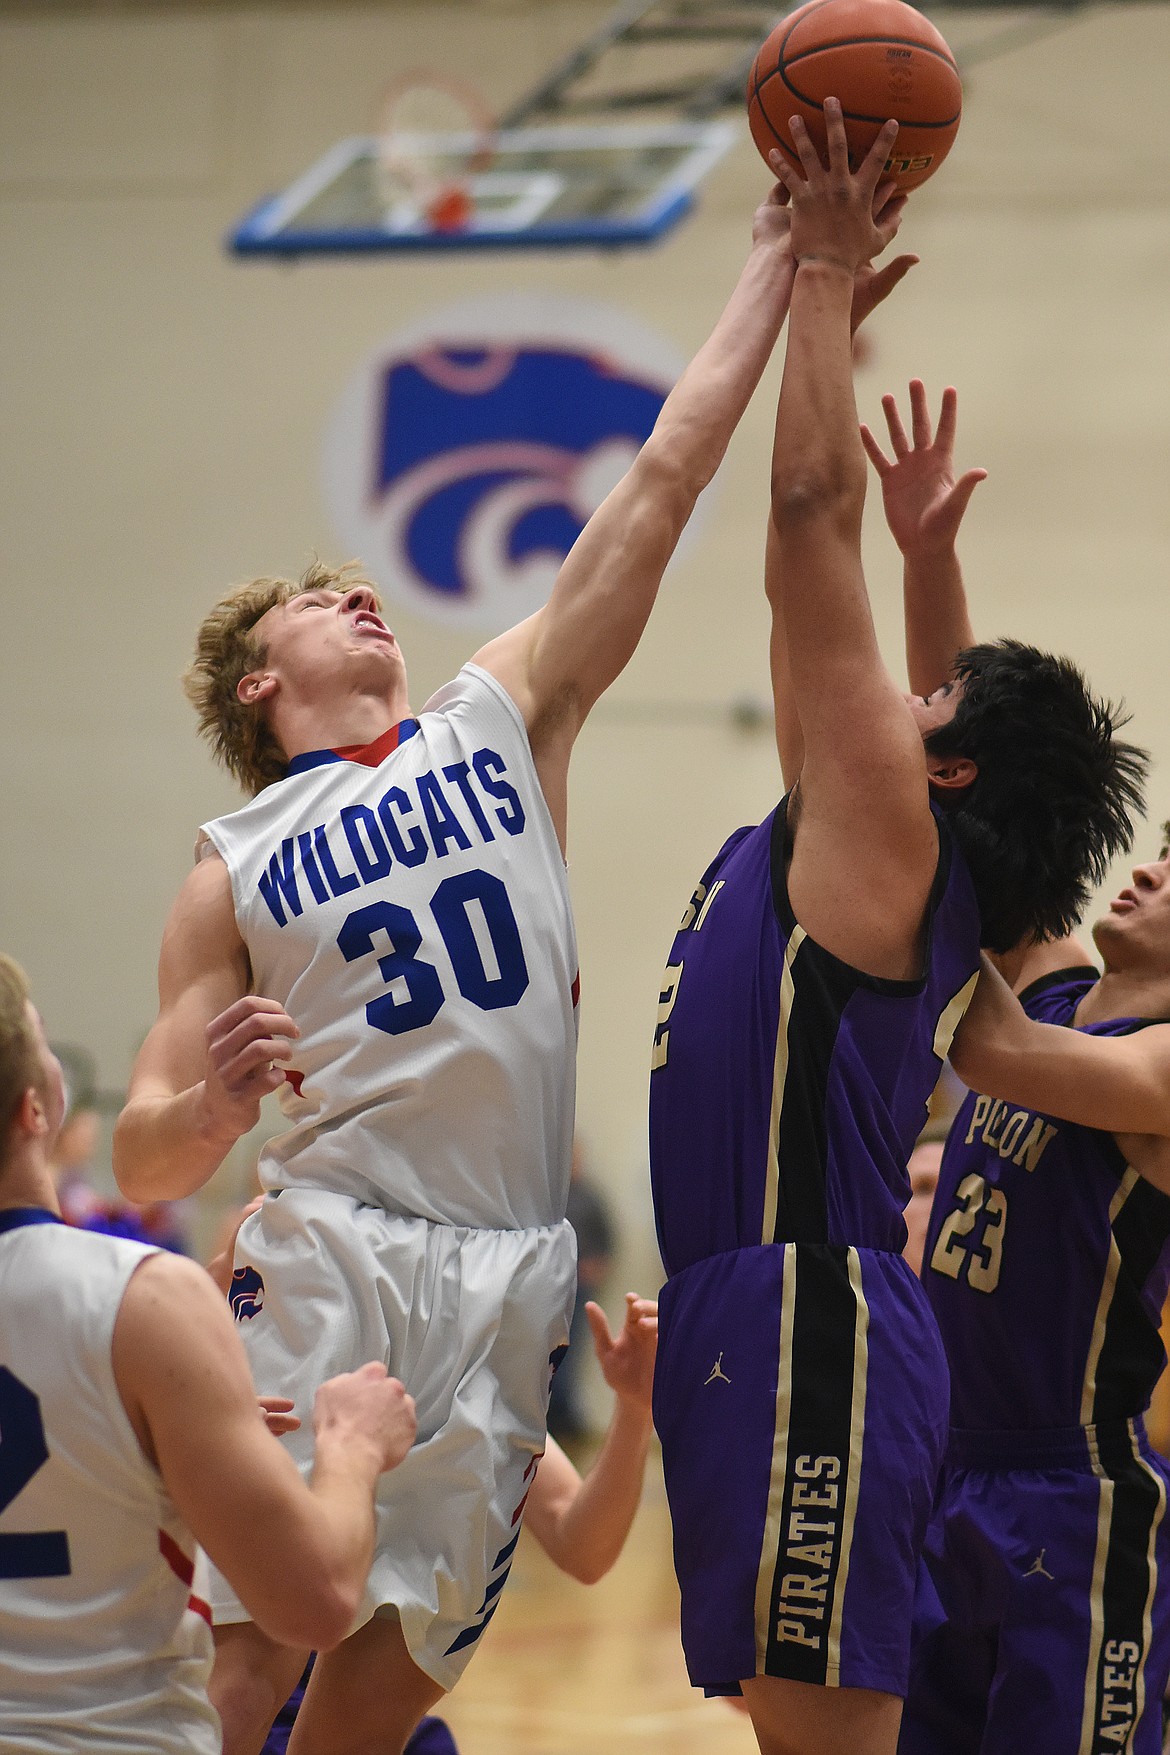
882 59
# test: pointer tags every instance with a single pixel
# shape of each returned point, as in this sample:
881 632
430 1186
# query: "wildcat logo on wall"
465 457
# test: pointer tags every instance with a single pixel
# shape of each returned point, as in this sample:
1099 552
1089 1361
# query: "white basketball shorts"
469 1320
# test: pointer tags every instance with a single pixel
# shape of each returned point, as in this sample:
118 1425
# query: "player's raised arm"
1118 1084
557 663
209 1057
870 286
924 506
582 1525
864 803
186 1387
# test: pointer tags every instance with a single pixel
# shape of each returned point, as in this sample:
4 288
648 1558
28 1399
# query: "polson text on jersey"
418 820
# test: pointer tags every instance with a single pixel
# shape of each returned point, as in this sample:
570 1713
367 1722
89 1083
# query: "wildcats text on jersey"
361 844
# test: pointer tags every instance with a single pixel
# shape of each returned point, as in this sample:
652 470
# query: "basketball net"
433 134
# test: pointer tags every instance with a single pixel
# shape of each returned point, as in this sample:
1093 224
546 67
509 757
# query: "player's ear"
951 773
30 1118
257 686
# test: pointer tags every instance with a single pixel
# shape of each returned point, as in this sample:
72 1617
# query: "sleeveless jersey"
1047 1258
787 1088
103 1642
407 903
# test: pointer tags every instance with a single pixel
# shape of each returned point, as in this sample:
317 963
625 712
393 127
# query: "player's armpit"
184 1381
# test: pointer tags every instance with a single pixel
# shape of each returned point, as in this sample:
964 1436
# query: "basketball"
881 58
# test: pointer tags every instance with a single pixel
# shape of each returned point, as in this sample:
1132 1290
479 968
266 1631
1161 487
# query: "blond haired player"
388 923
128 1427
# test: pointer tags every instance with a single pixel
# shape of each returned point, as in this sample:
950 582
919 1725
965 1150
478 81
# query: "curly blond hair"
20 1064
227 647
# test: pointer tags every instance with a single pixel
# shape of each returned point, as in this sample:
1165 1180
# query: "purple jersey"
1047 1258
787 1088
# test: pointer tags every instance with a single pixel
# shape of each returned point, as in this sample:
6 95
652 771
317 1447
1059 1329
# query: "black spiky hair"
1055 793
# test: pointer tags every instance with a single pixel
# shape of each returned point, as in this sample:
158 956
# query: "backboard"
546 188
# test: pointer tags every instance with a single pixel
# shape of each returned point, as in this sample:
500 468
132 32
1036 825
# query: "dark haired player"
812 992
1042 1618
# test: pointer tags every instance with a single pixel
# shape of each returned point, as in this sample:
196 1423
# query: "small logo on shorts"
246 1293
717 1372
1038 1567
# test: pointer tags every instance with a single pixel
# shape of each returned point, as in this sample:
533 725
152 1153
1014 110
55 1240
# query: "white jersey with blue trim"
407 903
105 1636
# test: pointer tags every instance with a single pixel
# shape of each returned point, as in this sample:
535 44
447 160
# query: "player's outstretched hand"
840 215
244 1043
627 1361
366 1409
923 501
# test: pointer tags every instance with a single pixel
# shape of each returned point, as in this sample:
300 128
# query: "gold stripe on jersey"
1089 1387
1152 1563
951 1017
853 1470
779 1077
770 1551
1096 1605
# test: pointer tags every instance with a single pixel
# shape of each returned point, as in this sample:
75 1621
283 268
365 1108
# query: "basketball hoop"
433 135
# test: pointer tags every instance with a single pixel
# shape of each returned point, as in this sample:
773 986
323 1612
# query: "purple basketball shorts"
1042 1621
801 1397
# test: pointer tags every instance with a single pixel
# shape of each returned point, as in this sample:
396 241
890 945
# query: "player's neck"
27 1181
346 723
1126 993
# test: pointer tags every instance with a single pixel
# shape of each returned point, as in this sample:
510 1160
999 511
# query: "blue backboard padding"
251 237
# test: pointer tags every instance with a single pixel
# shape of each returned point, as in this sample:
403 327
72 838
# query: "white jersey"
407 903
105 1641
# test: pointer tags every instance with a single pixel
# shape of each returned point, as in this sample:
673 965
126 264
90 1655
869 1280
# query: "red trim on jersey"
372 755
294 1078
532 1465
519 1511
184 1571
575 990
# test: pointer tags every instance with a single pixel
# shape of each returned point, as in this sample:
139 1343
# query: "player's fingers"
256 1057
280 1425
919 413
806 152
261 1028
872 166
884 280
888 221
835 133
874 451
373 1371
964 488
250 1006
897 431
948 417
787 178
780 193
603 1338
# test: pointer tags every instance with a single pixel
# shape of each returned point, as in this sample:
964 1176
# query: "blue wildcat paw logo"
246 1294
467 457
